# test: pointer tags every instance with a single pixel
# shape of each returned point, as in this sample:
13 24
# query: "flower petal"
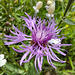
23 57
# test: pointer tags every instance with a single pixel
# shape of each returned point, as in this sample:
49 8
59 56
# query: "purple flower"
43 40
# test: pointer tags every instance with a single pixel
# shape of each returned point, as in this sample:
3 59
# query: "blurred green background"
10 12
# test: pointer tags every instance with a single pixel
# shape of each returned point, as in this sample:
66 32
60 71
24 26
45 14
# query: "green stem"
70 59
67 8
3 46
17 63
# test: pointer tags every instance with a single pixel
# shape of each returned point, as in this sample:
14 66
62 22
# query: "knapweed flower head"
44 38
2 60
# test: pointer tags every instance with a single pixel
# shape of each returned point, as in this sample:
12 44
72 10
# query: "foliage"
10 13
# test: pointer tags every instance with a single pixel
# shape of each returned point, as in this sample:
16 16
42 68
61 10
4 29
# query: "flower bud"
39 4
49 2
50 7
66 26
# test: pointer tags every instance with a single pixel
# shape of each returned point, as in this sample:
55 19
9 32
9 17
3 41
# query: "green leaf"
13 68
23 1
17 18
70 22
59 64
1 73
31 69
1 43
70 59
18 8
67 71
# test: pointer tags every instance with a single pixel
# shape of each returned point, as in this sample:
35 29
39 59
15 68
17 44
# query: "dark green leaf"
70 22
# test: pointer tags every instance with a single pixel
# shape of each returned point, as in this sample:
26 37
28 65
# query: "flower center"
32 42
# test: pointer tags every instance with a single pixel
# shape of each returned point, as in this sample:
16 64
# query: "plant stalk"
67 8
